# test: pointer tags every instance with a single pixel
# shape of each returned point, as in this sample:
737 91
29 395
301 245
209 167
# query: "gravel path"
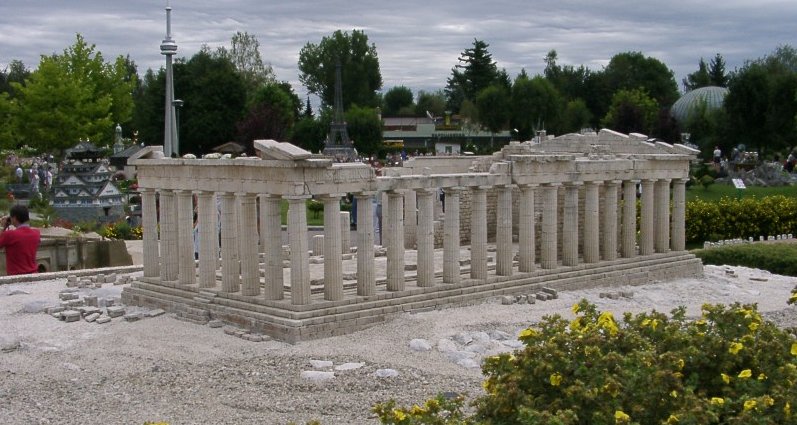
162 369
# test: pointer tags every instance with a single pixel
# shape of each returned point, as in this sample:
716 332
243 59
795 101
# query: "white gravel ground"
162 369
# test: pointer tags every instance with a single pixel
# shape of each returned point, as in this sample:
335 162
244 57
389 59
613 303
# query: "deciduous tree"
535 105
396 99
631 111
365 129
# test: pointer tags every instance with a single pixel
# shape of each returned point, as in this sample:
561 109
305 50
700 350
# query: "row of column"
233 218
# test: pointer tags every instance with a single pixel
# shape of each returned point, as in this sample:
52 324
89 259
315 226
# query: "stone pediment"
609 142
272 149
73 181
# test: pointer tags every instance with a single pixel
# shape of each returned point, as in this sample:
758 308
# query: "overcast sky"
418 42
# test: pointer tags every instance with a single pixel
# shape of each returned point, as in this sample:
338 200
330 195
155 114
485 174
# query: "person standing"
19 173
20 243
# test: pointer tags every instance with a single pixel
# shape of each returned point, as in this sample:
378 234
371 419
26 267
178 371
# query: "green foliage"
699 78
395 99
731 218
121 230
309 133
535 102
437 411
728 367
631 111
634 71
779 258
475 72
706 181
244 54
360 75
576 116
493 106
365 129
271 115
433 102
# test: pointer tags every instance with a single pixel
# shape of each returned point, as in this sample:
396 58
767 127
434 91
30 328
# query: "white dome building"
713 96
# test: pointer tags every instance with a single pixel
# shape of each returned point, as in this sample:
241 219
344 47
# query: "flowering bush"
728 367
121 230
740 218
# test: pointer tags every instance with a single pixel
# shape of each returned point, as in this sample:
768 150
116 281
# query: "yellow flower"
749 405
654 324
735 347
680 363
746 373
575 309
417 410
717 401
753 326
645 322
575 324
528 333
672 419
606 321
399 415
793 298
769 401
762 377
620 417
726 379
556 379
674 394
700 322
794 348
787 409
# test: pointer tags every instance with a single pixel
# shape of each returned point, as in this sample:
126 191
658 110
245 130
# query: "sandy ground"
162 369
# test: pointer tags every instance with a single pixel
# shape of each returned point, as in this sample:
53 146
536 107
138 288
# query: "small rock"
155 313
386 373
507 300
215 323
92 317
70 315
320 364
445 345
349 366
104 319
133 317
115 311
499 335
420 345
462 338
229 330
18 292
468 363
317 376
759 279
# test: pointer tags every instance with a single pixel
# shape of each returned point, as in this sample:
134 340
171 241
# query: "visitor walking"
21 242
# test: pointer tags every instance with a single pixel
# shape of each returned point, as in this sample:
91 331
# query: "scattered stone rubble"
544 294
75 303
469 349
739 241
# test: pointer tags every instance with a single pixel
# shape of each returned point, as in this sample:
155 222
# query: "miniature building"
565 201
83 190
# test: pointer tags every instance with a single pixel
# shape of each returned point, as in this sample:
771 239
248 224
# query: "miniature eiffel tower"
338 144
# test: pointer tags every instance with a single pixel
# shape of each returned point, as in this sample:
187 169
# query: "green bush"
727 367
731 218
779 258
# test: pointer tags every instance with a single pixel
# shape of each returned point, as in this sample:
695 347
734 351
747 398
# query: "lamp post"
177 103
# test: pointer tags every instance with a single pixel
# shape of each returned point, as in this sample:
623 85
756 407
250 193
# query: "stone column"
169 267
591 220
300 265
550 223
208 239
250 270
149 214
503 231
478 233
185 233
366 281
570 226
425 239
678 238
526 239
609 223
410 219
646 228
395 241
230 269
451 236
628 248
333 275
271 240
345 232
662 215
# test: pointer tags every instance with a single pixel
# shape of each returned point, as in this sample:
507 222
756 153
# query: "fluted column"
503 231
526 239
662 215
366 280
169 267
570 226
410 219
345 232
591 220
646 228
395 241
678 239
149 215
609 223
230 269
451 237
271 241
247 234
185 233
478 233
300 266
208 239
425 239
333 275
550 223
628 248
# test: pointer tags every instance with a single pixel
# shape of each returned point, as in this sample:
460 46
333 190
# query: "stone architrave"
333 275
425 238
300 266
366 281
646 227
250 270
591 222
478 238
548 244
271 239
395 241
230 268
628 249
503 232
451 237
149 214
662 193
185 232
526 238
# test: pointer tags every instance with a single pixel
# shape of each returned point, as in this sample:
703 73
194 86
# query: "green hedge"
740 218
779 258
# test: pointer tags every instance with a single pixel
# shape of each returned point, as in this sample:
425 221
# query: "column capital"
269 195
528 186
454 189
480 187
550 185
146 190
506 186
396 192
593 182
330 195
680 180
426 190
572 185
612 182
297 197
365 194
634 181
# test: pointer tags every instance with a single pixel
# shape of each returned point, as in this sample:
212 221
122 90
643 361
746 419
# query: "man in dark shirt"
21 243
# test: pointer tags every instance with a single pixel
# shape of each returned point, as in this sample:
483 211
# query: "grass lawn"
716 191
313 218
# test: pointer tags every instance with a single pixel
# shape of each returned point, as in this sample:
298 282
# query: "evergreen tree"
475 72
699 78
716 72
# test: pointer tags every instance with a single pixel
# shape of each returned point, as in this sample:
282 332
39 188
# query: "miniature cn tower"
169 49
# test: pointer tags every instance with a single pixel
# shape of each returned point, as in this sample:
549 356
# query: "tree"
716 72
631 111
575 116
244 54
493 106
271 115
432 102
16 72
699 78
395 99
148 118
475 72
73 96
365 129
360 73
535 105
632 70
308 109
309 133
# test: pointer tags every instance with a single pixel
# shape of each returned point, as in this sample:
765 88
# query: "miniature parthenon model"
558 211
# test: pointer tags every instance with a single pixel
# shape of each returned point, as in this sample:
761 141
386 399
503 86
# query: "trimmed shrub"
740 218
778 258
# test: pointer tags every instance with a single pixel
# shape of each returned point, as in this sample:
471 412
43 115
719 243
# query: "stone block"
91 317
70 316
66 296
110 278
75 303
521 299
91 300
627 294
115 311
542 296
71 278
229 330
133 317
104 319
109 302
54 310
154 313
215 323
531 299
507 300
552 292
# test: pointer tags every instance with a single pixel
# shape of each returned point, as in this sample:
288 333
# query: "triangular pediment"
109 189
609 142
73 181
